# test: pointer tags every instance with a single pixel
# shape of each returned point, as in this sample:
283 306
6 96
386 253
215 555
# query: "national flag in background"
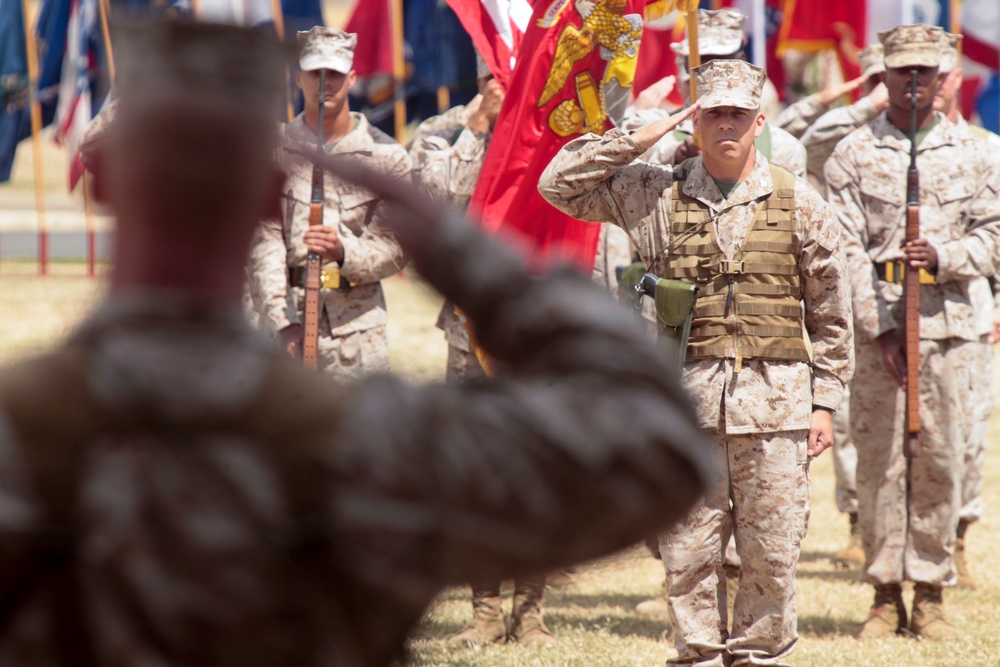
371 20
840 25
564 84
496 28
74 108
981 61
50 30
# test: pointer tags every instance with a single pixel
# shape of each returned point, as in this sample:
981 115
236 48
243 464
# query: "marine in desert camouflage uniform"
981 398
448 152
820 136
720 35
914 540
768 409
351 240
203 500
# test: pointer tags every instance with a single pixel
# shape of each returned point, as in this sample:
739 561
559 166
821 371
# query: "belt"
893 272
329 278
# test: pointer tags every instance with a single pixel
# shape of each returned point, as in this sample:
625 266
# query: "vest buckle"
729 266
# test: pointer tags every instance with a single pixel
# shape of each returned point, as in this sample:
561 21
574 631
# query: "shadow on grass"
569 598
827 626
633 625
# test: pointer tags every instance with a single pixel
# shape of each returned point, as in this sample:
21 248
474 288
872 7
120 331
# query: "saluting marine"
758 243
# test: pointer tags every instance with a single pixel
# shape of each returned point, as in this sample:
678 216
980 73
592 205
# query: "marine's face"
897 80
728 133
338 85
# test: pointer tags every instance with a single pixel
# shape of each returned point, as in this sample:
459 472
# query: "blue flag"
50 31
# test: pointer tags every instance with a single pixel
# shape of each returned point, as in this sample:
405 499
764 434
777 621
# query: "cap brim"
727 99
912 59
313 62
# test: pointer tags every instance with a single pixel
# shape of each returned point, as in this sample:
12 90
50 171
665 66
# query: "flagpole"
279 27
398 66
105 9
759 35
31 46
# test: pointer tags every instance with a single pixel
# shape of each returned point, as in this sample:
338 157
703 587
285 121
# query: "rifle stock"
310 327
911 290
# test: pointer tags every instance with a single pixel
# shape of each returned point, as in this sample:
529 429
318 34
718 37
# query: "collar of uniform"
358 140
888 135
701 186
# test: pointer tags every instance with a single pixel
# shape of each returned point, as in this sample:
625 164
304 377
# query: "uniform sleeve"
583 443
796 118
449 173
268 274
375 254
975 253
595 178
823 136
827 296
872 316
788 152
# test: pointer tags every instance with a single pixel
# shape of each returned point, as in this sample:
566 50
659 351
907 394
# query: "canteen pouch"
675 310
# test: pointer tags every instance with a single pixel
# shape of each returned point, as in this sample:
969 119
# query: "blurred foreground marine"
203 500
356 250
758 243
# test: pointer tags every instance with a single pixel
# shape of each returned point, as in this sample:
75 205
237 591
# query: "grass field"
592 617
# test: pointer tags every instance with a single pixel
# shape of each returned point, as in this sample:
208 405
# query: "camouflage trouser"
915 543
980 404
762 494
354 355
845 458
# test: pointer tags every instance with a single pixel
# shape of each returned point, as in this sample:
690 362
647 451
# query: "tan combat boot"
888 614
658 606
851 557
927 620
526 624
965 579
487 626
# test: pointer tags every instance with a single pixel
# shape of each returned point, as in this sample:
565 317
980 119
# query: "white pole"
759 56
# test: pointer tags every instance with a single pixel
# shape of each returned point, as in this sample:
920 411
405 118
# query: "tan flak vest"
748 307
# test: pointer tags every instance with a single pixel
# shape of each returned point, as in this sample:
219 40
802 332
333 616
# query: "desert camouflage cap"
872 59
327 48
729 83
720 33
912 46
949 51
234 68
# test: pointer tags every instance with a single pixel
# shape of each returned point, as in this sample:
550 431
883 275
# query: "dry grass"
593 617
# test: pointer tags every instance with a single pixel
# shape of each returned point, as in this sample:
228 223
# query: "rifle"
314 262
911 290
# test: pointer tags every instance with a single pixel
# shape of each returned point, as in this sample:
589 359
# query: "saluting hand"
325 242
646 136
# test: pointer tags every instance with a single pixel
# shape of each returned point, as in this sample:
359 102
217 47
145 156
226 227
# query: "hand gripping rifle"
911 290
310 340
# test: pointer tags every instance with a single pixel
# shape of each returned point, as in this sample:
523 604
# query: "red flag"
840 25
496 28
657 59
372 21
561 87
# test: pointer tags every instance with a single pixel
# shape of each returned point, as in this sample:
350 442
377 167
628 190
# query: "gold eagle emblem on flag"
605 26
